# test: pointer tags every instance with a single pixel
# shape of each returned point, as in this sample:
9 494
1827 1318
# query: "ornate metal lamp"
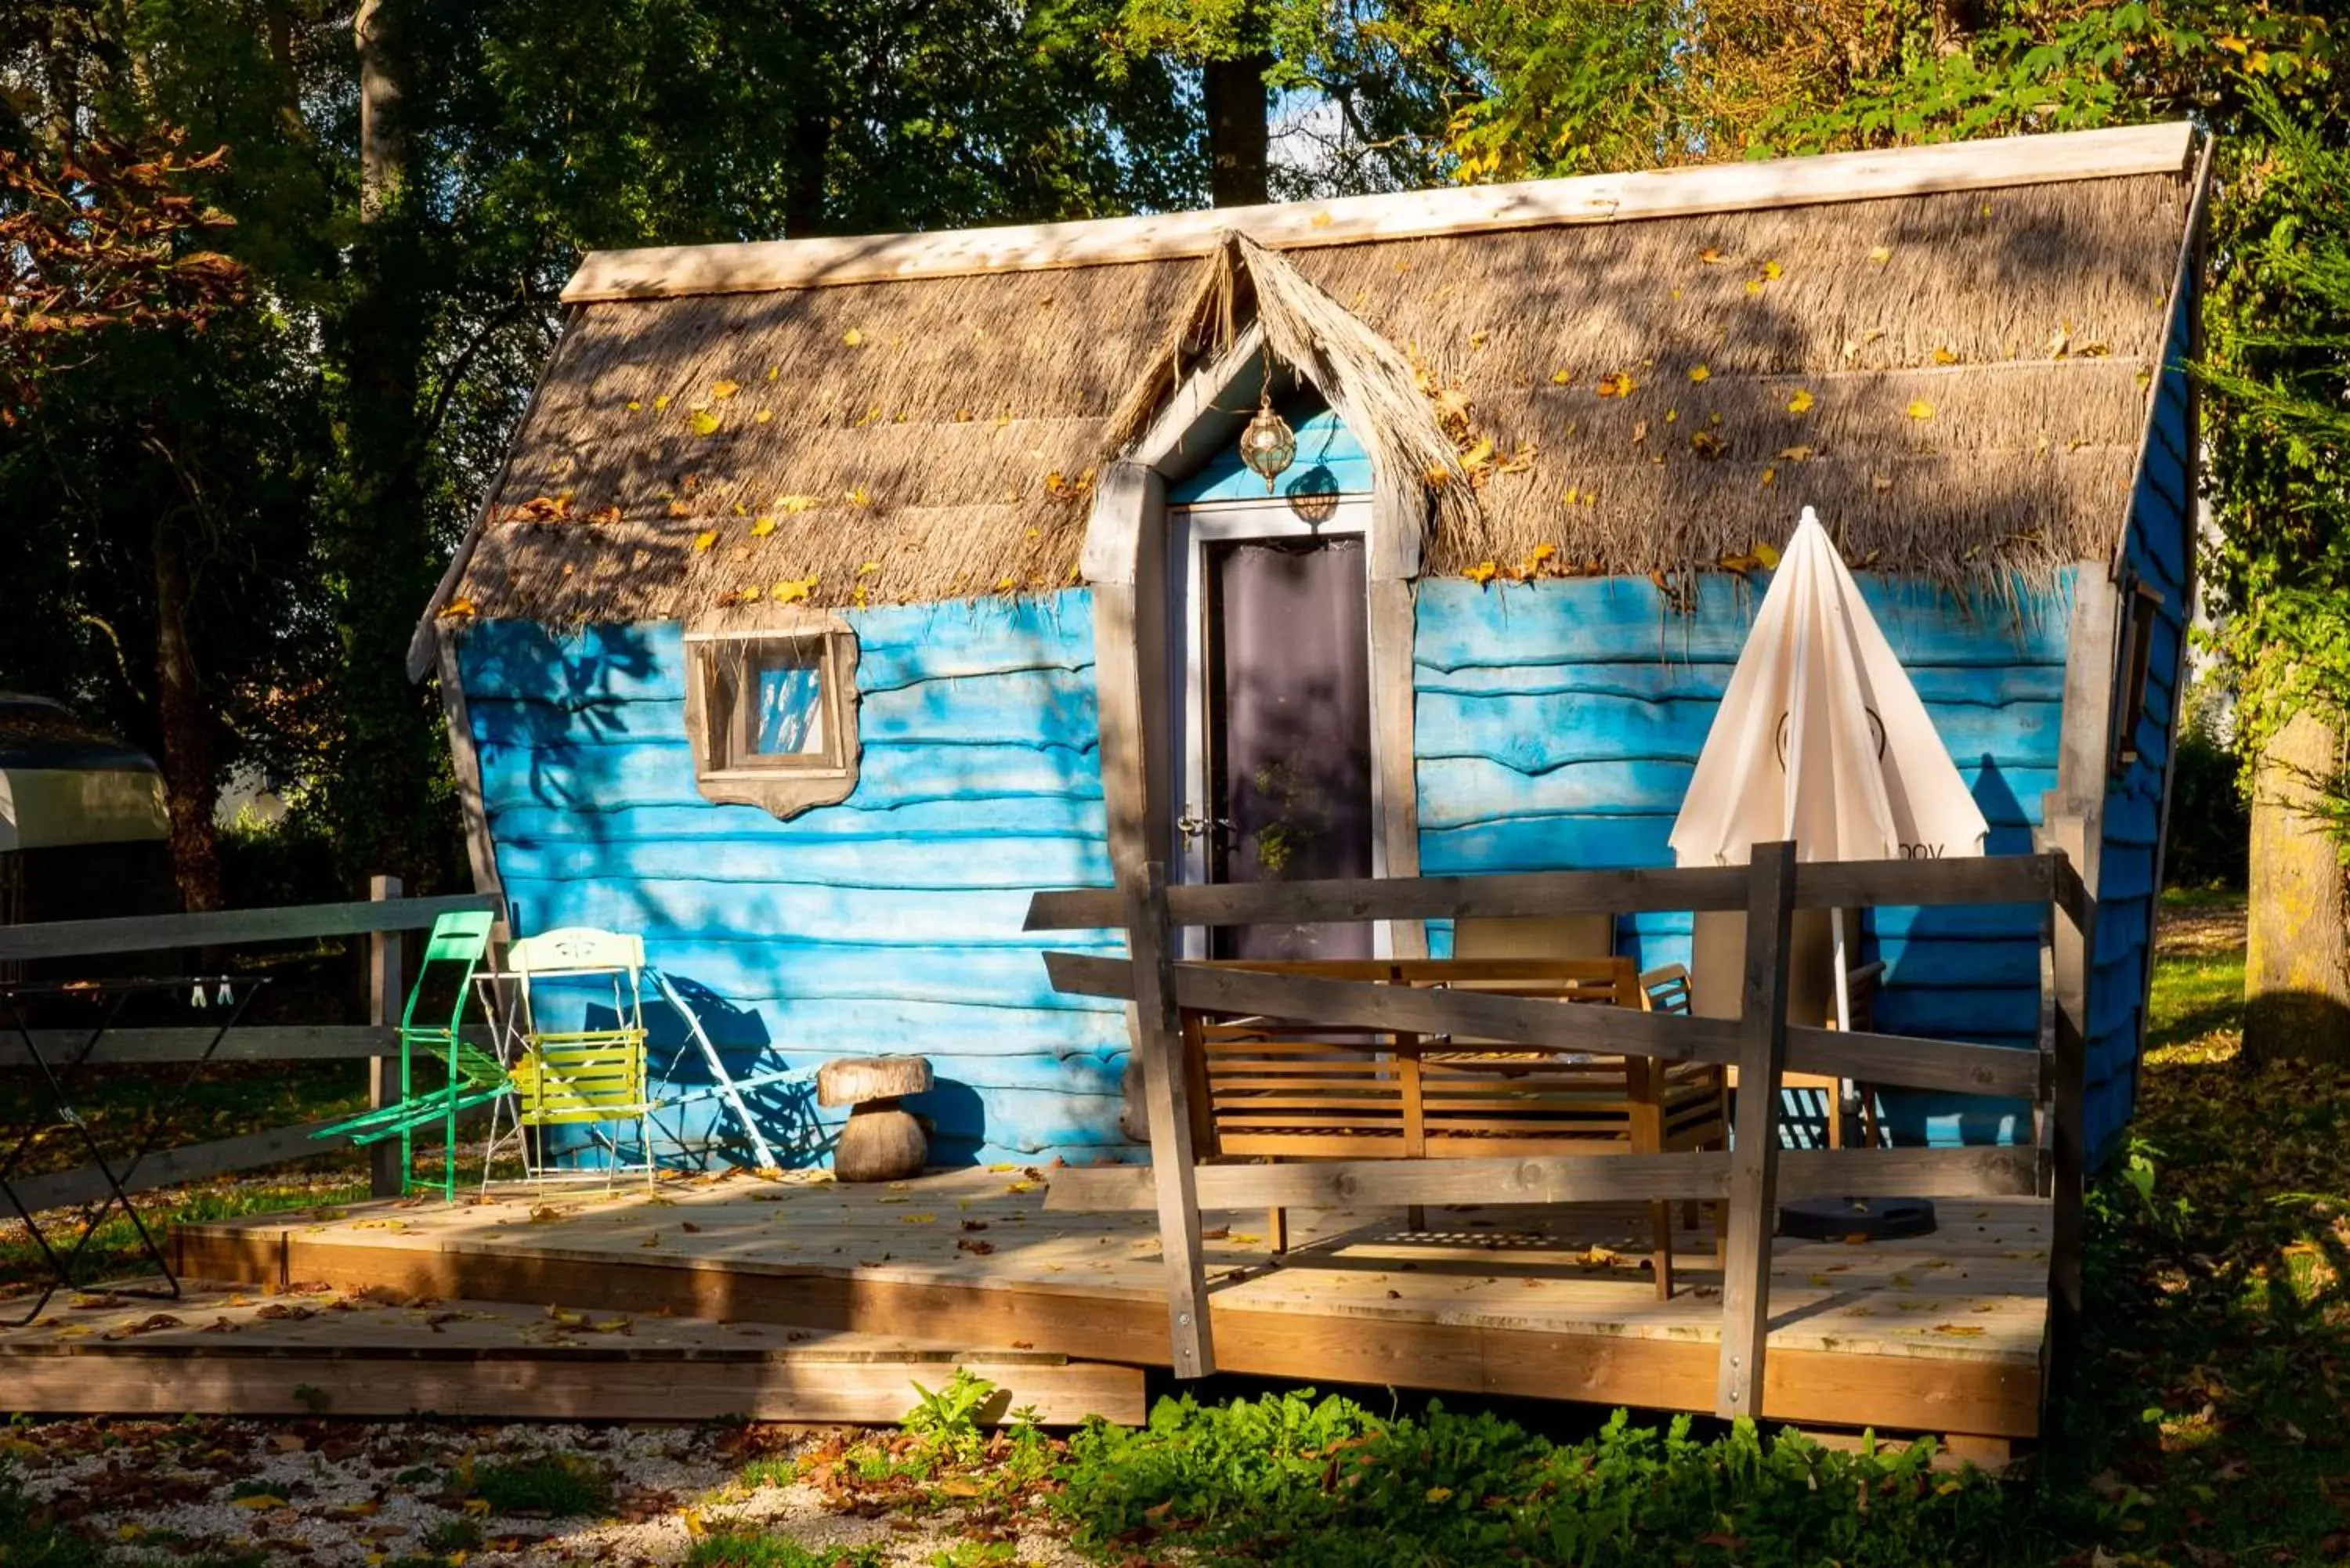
1268 446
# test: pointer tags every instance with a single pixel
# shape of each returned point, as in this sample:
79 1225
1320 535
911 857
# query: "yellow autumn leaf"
1481 573
869 568
1478 456
1006 584
1801 403
773 372
797 504
2232 44
752 593
764 416
1000 1168
634 405
1774 271
1711 255
852 337
858 497
1700 373
1437 1493
705 539
857 599
1018 1186
722 390
1561 378
706 421
458 608
259 1501
1770 476
1617 384
662 401
793 590
1754 288
1944 356
763 527
1796 453
1920 409
1881 254
1542 552
1767 556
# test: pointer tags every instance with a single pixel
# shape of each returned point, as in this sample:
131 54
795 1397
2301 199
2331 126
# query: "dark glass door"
1289 730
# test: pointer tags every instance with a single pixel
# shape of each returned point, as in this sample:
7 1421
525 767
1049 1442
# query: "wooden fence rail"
380 918
1753 1176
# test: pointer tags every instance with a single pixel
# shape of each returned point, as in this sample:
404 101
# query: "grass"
752 1549
555 1485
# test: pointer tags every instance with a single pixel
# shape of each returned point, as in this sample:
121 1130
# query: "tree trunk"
192 793
2297 940
804 186
1239 131
1956 22
383 544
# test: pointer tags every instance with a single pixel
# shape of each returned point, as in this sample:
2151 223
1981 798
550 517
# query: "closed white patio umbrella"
1822 739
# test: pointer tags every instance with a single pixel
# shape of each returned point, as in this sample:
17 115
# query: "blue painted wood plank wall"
2157 552
1557 725
889 922
1329 461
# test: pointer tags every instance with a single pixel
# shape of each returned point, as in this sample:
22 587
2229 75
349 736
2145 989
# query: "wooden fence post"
2073 953
387 1158
1754 1146
1165 1093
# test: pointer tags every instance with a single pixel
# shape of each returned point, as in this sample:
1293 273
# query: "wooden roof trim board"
670 272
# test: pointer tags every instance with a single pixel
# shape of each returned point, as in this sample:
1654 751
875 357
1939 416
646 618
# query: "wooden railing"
382 918
1753 1176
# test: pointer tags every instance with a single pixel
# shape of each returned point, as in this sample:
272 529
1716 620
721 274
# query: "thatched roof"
1956 379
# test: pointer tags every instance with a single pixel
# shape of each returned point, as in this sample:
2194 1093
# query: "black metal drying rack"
223 998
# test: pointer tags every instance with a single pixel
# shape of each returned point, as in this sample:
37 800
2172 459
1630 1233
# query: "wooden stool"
883 1141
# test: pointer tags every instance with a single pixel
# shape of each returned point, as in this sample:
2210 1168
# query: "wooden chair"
1279 1089
1667 990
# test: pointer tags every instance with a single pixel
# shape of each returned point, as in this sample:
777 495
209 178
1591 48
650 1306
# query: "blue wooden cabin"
839 594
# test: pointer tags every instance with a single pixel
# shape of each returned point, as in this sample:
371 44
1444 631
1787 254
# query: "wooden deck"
234 1350
1944 1334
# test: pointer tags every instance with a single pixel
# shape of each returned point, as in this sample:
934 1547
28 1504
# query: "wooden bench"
1276 1089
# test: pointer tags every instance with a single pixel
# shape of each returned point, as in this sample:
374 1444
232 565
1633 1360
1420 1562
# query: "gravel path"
369 1494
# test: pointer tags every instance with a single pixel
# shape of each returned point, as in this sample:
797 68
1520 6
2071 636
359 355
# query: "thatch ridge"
936 439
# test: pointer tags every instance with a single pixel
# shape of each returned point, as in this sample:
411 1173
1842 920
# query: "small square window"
772 716
2137 653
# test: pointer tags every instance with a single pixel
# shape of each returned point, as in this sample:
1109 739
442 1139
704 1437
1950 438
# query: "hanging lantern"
1268 445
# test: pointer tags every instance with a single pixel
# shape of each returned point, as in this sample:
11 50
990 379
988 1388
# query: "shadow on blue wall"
1951 949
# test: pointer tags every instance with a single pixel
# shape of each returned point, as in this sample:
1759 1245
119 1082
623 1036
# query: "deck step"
224 1349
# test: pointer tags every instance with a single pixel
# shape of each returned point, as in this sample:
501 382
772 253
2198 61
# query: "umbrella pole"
1843 1009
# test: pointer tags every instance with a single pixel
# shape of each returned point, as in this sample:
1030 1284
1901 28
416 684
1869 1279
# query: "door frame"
1191 529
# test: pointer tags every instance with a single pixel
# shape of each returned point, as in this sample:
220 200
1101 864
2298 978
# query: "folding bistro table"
221 999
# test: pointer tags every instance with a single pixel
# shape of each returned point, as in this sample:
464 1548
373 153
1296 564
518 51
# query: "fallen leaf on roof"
1700 373
722 390
1920 409
1481 573
1881 254
852 337
763 527
1801 403
1774 271
793 590
1615 384
458 608
1711 255
705 539
1944 356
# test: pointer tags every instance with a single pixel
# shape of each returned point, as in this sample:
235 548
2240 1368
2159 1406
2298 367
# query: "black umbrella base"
1870 1219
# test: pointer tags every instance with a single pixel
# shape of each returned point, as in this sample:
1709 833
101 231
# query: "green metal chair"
474 1077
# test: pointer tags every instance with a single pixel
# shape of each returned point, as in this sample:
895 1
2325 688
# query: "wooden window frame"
717 721
2138 654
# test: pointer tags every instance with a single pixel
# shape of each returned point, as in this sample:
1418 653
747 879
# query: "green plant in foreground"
1290 1478
947 1421
453 1536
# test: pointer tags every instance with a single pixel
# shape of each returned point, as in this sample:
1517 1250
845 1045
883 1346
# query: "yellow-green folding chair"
593 1076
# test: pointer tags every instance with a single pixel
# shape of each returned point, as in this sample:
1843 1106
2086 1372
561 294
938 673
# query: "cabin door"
1277 771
